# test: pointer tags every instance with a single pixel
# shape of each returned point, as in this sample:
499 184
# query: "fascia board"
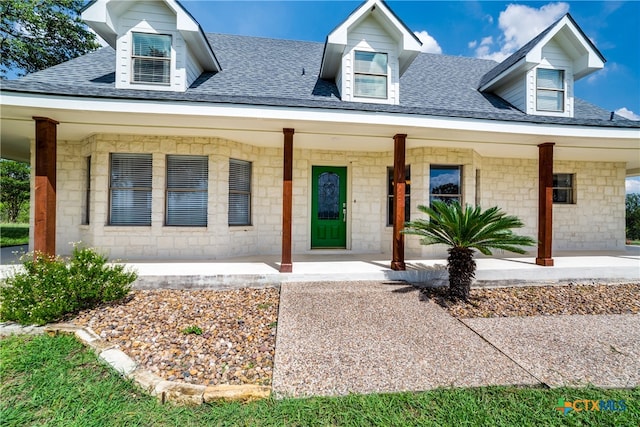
294 114
522 64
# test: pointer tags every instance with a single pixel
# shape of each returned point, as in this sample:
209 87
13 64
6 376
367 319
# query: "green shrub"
51 287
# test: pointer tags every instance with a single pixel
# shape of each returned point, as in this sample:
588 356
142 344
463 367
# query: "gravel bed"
236 344
574 298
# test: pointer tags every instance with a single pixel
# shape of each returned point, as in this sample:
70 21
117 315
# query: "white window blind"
370 74
130 189
550 90
187 185
239 192
151 58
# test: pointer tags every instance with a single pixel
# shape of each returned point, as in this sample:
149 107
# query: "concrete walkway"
363 337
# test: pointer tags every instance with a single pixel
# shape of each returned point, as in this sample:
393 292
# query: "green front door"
329 207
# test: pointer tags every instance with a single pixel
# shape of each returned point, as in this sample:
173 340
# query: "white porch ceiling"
318 129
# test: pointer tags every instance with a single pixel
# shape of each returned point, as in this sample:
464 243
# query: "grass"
55 381
14 234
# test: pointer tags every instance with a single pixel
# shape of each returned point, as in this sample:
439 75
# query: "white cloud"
472 44
429 44
627 114
632 184
519 24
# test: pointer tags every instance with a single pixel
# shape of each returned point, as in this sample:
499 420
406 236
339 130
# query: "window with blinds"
549 90
239 192
151 58
130 189
86 203
187 190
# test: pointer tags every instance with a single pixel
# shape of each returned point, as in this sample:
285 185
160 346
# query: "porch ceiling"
328 130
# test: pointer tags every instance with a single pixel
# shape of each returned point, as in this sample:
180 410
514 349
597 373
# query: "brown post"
45 186
545 204
399 142
286 265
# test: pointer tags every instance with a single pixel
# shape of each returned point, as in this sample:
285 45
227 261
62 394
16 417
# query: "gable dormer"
367 54
158 44
539 78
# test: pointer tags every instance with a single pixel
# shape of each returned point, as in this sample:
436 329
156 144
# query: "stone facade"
594 222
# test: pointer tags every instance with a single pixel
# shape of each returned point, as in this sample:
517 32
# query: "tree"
632 205
14 187
463 230
36 34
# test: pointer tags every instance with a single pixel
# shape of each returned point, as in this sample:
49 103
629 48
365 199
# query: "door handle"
344 212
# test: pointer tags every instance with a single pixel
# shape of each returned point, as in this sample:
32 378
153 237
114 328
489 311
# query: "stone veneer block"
179 393
236 392
61 327
146 379
119 361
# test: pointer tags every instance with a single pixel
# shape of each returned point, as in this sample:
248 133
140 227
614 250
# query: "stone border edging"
165 391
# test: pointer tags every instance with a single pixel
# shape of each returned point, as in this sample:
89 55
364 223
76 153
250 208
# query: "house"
176 144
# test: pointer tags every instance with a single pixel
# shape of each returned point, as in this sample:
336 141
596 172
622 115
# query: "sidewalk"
364 337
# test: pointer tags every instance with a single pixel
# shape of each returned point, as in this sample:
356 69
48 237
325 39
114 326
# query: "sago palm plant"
463 230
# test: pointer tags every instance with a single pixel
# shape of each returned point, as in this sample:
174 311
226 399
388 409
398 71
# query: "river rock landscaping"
572 298
194 336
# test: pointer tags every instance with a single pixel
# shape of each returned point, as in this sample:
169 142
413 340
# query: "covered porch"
357 141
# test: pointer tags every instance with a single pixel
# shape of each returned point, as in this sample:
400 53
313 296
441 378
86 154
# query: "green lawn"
14 234
55 381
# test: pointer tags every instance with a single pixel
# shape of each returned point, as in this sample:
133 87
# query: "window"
151 58
444 184
87 193
187 185
563 190
549 90
407 194
130 189
370 75
239 192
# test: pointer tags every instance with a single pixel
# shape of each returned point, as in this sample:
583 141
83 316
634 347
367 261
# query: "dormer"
367 54
539 78
158 44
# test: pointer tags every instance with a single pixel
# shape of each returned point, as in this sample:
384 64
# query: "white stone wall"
595 222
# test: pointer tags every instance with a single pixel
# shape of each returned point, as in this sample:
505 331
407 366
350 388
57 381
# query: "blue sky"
484 29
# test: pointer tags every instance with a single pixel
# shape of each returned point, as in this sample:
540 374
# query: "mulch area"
573 298
236 344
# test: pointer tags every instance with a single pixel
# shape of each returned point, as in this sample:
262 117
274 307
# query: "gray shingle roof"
270 72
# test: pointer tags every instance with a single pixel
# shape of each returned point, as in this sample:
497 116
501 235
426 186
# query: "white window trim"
563 90
170 59
371 99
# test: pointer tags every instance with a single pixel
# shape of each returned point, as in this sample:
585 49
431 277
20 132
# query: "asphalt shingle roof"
271 72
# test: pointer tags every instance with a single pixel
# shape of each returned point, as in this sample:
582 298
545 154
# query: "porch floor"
261 271
264 270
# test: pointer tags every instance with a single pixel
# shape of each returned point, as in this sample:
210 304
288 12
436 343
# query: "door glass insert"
328 196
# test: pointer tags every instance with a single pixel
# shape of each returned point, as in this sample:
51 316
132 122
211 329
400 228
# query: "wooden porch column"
286 266
545 204
399 142
45 186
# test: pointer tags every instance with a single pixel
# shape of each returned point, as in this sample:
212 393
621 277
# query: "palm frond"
468 227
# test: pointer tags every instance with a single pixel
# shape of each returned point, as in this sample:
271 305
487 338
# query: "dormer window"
370 74
550 90
151 58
